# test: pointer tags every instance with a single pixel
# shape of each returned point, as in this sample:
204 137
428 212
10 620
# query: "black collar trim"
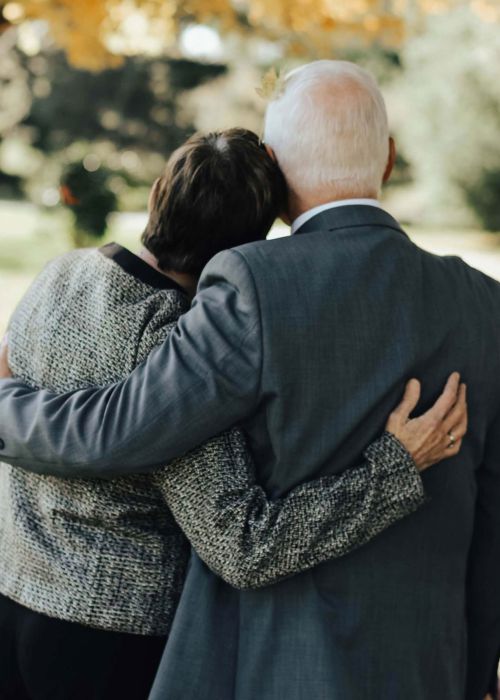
138 268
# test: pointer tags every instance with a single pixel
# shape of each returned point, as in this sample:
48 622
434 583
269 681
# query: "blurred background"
95 95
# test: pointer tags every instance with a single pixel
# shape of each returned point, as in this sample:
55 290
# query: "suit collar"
311 213
349 216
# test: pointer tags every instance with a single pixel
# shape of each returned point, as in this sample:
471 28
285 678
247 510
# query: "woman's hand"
438 433
5 372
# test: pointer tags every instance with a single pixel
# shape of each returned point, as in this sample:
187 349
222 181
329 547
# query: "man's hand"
438 433
5 372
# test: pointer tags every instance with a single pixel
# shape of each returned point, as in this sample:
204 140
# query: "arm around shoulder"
252 541
201 380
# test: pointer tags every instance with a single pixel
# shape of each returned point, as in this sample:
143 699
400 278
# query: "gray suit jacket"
308 341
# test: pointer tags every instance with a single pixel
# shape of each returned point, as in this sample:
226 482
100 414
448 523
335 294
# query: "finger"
447 451
4 342
461 427
458 413
459 431
410 399
459 405
446 401
454 449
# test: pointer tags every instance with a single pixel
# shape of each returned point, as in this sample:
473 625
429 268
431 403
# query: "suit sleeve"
251 541
483 594
204 378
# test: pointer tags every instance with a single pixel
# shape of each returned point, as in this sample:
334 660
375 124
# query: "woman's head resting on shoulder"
218 191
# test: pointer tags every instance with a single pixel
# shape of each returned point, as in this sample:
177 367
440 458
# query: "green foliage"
451 123
131 106
128 118
90 200
483 195
10 186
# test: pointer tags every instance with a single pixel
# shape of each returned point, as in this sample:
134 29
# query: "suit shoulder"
259 253
462 271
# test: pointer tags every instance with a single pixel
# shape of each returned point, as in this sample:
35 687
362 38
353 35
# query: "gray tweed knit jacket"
110 554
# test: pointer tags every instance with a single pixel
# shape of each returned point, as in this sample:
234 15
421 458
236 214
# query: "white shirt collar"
301 220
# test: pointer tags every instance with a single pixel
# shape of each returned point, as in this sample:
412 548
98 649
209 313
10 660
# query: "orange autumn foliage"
84 28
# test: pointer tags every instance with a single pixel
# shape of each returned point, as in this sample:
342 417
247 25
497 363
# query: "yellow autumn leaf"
89 31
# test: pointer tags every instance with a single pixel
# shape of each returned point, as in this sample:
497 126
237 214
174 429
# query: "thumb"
410 399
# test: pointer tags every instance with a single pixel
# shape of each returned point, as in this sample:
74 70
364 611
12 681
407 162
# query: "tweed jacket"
108 553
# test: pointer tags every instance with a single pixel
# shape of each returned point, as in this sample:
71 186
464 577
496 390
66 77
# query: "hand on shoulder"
436 434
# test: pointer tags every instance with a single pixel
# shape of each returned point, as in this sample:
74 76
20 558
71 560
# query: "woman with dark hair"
91 571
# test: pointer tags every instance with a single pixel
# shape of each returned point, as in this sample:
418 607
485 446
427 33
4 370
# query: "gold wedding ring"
453 439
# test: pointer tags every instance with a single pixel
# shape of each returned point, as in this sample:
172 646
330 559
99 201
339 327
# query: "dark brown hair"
218 191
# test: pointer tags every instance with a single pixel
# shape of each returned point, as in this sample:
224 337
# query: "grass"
30 237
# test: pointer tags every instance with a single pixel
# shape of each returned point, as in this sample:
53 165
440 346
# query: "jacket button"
2 444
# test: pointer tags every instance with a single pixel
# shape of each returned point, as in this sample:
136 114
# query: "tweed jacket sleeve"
252 541
203 379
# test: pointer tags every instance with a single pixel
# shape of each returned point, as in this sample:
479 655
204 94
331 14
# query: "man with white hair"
308 341
331 144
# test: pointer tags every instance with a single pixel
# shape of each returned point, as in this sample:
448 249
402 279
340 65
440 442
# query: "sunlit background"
94 96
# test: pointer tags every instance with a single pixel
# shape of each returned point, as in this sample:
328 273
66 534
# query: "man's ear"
270 153
284 216
390 160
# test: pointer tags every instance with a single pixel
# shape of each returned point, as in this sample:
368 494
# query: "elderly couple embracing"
212 487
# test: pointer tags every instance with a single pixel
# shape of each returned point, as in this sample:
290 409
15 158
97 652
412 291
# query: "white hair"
329 130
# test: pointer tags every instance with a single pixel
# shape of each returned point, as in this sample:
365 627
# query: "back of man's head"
328 128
